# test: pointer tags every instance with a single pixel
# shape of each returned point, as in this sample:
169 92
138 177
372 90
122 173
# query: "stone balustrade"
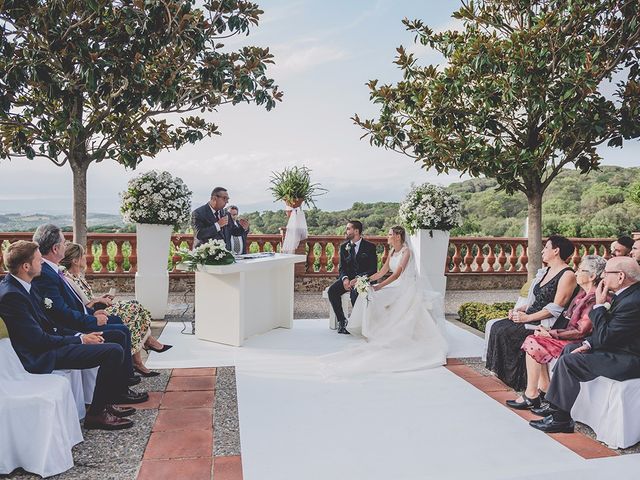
114 255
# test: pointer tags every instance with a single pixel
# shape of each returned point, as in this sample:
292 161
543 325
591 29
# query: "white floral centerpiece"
428 213
214 252
430 207
157 202
362 285
156 198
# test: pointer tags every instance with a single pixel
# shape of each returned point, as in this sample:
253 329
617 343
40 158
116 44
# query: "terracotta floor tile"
464 371
179 444
184 384
187 400
193 372
584 446
487 384
183 419
193 469
154 401
227 468
454 361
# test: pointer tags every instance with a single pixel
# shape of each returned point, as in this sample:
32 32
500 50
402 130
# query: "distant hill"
574 205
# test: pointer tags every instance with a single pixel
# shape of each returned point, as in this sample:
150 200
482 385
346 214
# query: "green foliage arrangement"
293 186
477 314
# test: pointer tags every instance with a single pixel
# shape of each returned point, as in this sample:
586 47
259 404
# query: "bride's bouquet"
214 252
362 285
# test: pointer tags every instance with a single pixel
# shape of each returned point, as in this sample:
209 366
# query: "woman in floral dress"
132 313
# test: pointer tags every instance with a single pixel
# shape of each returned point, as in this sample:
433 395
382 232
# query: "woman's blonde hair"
73 252
398 230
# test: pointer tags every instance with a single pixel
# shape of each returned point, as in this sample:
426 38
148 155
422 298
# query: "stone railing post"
299 269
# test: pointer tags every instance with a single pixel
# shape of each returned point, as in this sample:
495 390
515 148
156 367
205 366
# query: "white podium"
249 297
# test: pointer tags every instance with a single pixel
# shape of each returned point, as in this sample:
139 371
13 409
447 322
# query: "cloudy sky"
325 53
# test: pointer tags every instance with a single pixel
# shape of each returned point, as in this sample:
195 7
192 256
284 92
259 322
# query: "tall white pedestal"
152 277
431 255
234 302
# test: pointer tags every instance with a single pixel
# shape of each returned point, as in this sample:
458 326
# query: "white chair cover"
610 408
89 376
83 383
38 418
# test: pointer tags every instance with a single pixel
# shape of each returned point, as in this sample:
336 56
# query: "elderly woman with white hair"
546 345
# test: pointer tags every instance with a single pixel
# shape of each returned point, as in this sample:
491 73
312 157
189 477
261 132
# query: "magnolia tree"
85 81
520 96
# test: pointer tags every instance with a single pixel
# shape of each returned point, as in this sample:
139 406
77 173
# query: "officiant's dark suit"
613 350
354 261
205 220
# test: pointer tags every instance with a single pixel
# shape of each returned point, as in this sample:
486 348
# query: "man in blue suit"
212 221
67 310
43 347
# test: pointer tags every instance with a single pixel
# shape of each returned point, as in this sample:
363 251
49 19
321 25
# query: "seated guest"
212 221
635 251
238 240
134 316
612 350
550 293
622 246
545 345
67 310
43 347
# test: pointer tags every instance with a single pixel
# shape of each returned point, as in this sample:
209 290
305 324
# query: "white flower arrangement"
48 303
157 198
362 285
430 207
214 252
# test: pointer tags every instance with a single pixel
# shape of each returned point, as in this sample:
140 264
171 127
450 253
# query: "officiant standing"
212 221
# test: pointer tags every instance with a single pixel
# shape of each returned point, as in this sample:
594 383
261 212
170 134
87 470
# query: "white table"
249 297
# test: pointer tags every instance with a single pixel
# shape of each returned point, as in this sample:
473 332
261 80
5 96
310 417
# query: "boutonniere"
348 247
607 305
48 303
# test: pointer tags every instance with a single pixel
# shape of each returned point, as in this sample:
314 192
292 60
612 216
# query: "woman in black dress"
551 295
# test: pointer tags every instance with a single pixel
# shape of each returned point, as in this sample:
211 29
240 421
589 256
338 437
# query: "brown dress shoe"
106 421
118 411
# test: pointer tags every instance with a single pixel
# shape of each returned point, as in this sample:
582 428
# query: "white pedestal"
431 255
152 277
234 302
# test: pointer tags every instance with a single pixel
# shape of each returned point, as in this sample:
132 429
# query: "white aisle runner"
297 424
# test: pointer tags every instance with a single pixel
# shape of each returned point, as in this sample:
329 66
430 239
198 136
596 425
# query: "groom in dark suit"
612 350
211 221
357 257
42 346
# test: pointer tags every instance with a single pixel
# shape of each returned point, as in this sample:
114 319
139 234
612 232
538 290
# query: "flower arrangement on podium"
157 202
362 285
214 252
428 213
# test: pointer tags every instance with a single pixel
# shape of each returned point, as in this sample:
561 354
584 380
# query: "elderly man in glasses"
212 221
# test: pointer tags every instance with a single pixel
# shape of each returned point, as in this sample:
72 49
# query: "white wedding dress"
402 324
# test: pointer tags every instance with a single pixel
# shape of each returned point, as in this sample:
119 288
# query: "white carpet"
296 424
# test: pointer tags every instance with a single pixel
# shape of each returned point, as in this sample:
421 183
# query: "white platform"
296 423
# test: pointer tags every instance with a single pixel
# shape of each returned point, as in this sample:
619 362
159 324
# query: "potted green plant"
293 186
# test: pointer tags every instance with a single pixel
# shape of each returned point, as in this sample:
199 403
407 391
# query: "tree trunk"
534 227
79 170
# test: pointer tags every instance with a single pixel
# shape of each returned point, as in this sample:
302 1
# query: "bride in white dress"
398 318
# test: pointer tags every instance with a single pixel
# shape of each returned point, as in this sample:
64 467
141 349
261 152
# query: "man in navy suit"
67 309
212 222
357 257
43 347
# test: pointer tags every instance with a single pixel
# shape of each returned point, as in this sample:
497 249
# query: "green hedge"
476 314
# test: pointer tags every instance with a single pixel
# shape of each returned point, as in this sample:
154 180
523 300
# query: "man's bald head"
621 272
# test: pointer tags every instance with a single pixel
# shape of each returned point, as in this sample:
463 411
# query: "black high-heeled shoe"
148 374
526 404
164 348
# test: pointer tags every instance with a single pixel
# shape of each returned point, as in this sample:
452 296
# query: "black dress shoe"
526 403
106 421
134 380
131 397
549 425
344 331
544 410
120 412
148 374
